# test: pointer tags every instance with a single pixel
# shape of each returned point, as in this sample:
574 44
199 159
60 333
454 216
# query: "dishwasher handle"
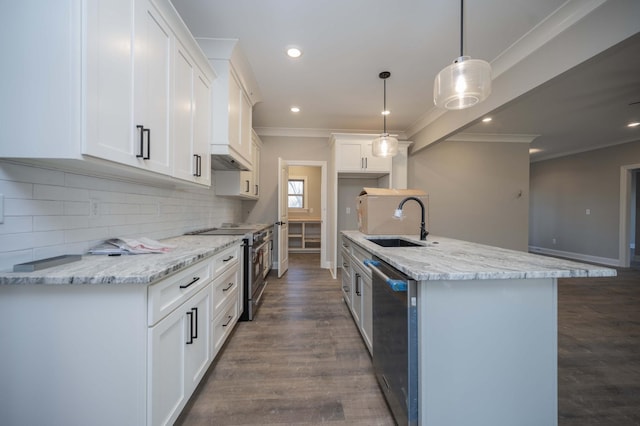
395 285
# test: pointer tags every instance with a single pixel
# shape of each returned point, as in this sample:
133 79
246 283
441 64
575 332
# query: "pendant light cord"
461 27
384 105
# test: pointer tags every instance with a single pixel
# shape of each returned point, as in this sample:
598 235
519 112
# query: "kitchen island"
116 340
486 328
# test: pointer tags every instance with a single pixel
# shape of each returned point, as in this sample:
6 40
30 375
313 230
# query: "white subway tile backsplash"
51 192
20 207
49 213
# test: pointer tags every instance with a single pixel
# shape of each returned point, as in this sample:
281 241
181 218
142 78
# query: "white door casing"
283 217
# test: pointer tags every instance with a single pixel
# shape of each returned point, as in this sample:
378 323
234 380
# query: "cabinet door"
197 353
245 127
255 158
202 127
166 381
235 94
375 164
184 163
152 69
110 127
366 318
349 157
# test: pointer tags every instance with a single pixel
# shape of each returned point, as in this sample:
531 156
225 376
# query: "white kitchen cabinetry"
179 354
114 354
241 184
232 114
356 156
192 120
109 92
357 288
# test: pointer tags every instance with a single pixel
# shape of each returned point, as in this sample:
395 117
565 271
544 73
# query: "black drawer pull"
195 322
228 321
228 258
228 287
195 279
190 315
141 141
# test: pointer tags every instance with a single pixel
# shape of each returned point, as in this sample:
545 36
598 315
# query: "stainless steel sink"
395 242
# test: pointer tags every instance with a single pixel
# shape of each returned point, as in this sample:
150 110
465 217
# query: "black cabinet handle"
190 315
366 162
195 279
198 160
195 322
228 287
358 278
228 258
141 128
148 144
256 190
247 190
228 321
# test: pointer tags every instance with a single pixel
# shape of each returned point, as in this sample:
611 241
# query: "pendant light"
465 82
385 145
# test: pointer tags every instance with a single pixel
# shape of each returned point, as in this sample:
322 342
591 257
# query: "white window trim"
305 198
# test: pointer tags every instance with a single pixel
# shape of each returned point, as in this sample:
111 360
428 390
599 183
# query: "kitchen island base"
488 352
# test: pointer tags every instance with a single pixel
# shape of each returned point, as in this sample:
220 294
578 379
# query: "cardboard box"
376 207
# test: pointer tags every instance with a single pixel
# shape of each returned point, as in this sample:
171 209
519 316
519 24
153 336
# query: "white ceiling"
347 43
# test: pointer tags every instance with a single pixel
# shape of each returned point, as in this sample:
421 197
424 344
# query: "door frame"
626 176
323 205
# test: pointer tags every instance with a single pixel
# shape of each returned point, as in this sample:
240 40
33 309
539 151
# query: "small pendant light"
465 82
385 145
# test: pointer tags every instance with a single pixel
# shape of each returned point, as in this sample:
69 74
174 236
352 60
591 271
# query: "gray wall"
265 210
474 190
563 188
314 188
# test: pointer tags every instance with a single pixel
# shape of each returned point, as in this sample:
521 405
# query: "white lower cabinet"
114 354
179 354
357 289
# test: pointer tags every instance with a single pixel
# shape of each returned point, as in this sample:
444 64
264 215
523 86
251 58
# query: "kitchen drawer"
171 292
226 259
223 323
360 255
224 288
346 244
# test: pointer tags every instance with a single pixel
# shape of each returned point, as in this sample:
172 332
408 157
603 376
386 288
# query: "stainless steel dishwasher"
395 340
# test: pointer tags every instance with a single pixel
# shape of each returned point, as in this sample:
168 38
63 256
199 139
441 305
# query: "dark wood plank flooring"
302 360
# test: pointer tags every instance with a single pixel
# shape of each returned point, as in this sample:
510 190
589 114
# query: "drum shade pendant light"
385 145
465 82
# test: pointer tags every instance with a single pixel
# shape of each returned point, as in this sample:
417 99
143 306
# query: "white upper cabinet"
191 120
353 153
114 87
235 91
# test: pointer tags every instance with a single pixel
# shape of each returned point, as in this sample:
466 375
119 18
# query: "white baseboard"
575 256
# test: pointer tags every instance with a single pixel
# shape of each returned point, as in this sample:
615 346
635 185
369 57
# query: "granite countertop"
448 259
130 269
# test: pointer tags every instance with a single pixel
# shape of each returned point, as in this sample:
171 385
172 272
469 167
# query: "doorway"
306 195
629 252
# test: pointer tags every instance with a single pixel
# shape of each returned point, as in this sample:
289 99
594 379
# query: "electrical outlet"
93 207
553 241
348 210
588 211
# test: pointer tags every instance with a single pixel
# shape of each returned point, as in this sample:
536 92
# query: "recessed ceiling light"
386 112
487 119
534 150
634 124
294 52
295 109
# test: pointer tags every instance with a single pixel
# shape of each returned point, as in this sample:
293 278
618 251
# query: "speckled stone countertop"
131 269
448 259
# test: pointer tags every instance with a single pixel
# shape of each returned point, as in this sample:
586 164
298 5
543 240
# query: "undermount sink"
395 242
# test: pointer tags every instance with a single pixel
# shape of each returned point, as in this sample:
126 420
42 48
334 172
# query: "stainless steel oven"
255 254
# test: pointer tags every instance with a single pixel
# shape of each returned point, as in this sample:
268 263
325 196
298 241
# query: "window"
297 192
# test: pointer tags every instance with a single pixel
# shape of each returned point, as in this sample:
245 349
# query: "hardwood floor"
302 361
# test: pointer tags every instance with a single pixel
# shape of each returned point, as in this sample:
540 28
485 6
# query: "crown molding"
315 133
492 137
